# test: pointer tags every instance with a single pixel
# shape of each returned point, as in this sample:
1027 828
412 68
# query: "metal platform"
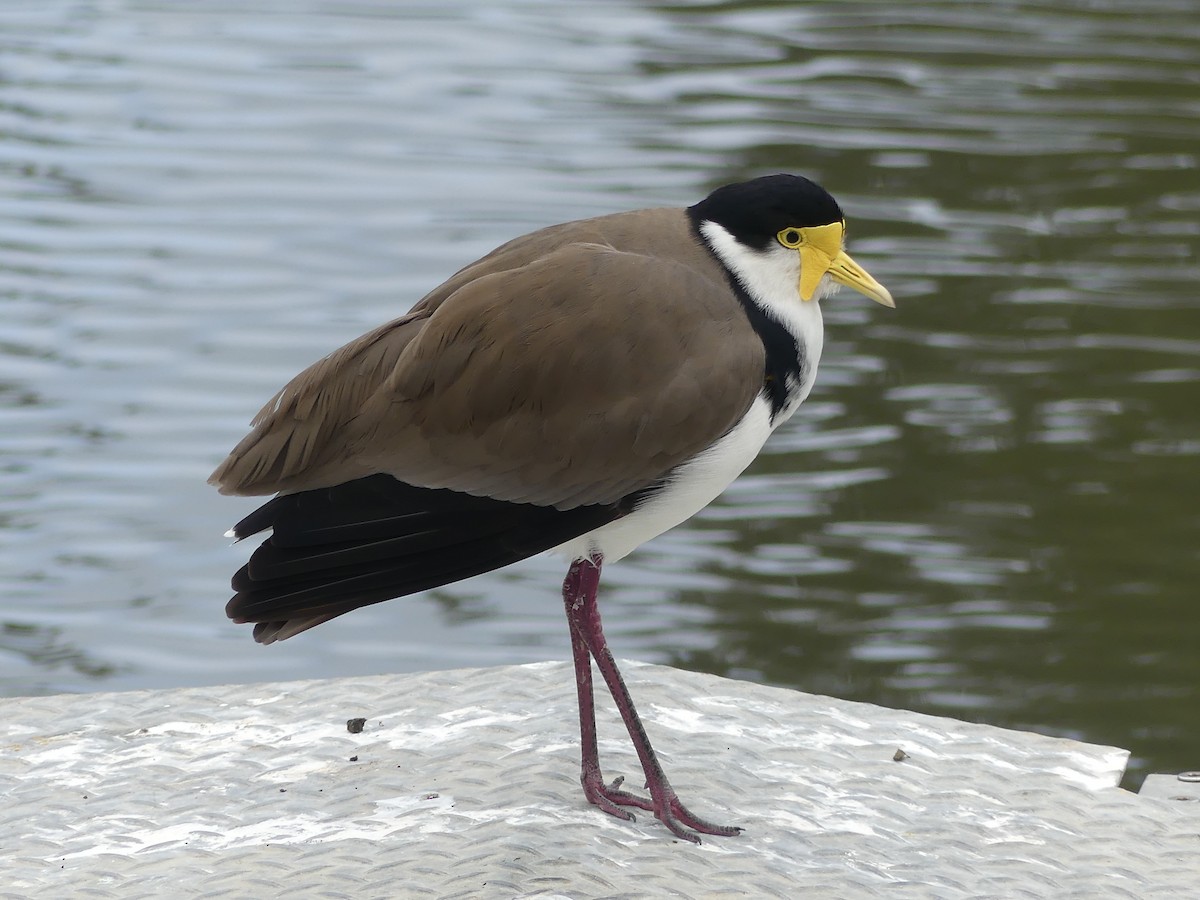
464 784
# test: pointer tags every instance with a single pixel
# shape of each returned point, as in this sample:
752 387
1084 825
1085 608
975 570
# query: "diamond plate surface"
1184 787
464 784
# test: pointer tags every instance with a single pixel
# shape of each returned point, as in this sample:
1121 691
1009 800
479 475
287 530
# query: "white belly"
695 484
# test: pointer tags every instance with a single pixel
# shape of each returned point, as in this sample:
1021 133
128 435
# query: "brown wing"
576 377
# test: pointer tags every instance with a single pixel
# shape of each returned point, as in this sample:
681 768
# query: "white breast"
694 485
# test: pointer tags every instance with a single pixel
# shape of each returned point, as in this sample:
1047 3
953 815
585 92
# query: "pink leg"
608 797
587 640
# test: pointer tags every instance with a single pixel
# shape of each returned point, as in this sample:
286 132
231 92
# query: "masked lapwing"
579 389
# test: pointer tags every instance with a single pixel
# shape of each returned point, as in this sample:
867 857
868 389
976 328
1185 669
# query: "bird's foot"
610 797
680 820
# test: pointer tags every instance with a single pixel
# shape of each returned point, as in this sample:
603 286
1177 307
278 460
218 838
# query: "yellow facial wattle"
821 253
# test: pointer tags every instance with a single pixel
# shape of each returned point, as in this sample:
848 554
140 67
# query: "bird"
580 389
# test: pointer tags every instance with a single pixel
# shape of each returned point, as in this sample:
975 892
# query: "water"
987 509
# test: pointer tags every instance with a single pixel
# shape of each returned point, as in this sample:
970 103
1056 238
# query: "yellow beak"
815 264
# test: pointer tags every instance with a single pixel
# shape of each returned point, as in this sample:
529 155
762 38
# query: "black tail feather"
335 549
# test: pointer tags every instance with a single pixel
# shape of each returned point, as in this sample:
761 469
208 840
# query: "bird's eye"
790 238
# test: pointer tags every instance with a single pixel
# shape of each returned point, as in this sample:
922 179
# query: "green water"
987 509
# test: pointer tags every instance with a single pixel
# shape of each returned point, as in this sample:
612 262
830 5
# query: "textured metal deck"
464 784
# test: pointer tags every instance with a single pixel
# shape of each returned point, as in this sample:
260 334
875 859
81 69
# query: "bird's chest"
793 336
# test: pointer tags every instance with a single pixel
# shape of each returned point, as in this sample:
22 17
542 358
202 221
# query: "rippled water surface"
987 509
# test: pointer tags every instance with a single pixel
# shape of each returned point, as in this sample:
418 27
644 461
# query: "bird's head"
792 224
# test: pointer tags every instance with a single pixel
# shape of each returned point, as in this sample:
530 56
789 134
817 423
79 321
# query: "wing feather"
569 368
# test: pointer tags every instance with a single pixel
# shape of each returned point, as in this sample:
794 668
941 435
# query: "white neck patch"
772 279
